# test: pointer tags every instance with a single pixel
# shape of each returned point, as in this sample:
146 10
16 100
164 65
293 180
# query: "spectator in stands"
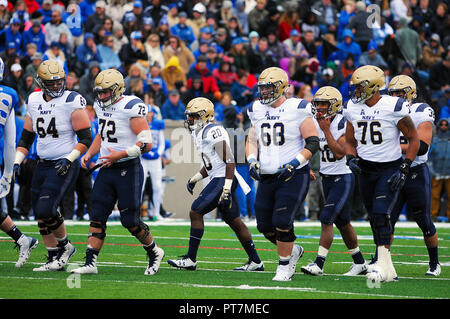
359 26
202 48
432 53
257 15
224 74
270 22
135 72
239 12
288 22
348 45
400 9
196 90
225 102
86 53
46 11
439 23
439 79
306 72
409 43
153 49
260 58
173 108
347 11
311 24
119 38
240 55
156 91
26 86
36 36
222 39
173 15
348 66
87 82
109 58
96 19
134 52
4 14
14 77
87 7
178 48
55 27
32 67
103 29
328 19
115 10
309 43
254 38
209 82
372 57
72 83
163 30
156 10
11 35
182 30
212 62
55 53
225 14
328 78
129 24
234 29
381 31
172 74
240 92
72 18
198 20
439 156
295 50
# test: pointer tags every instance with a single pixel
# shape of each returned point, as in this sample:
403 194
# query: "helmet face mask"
108 81
366 81
199 112
404 87
51 78
327 102
273 83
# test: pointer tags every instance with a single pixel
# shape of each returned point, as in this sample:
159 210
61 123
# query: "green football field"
122 262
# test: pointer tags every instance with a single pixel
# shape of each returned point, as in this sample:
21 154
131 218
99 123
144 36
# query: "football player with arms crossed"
374 123
417 190
123 136
58 116
337 180
8 101
213 144
283 136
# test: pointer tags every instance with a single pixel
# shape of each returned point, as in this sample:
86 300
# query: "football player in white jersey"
282 138
417 190
374 123
212 142
337 180
8 101
123 137
58 116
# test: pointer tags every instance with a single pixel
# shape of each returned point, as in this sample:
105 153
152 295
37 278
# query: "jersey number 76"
375 136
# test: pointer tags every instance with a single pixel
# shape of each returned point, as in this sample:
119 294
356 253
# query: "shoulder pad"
302 104
341 123
422 107
399 104
71 97
207 128
132 103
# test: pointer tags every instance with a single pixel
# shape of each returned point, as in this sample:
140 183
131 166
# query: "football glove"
353 164
288 170
254 169
190 186
225 201
398 179
5 185
62 166
16 171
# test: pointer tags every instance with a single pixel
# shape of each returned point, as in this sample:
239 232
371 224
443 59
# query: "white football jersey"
278 132
329 165
420 113
204 140
114 123
376 129
52 123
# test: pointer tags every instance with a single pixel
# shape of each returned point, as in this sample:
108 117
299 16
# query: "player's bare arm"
251 146
350 140
93 150
310 135
425 132
406 126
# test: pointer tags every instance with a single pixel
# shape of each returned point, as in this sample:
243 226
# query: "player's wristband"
73 155
133 151
227 184
19 157
197 177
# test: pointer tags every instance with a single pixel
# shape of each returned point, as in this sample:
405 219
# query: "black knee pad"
137 229
54 222
271 236
43 229
3 216
425 223
286 237
101 234
382 229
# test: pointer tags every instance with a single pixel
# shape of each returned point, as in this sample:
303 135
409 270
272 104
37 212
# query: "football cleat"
297 253
357 269
26 245
184 263
312 269
46 266
251 266
89 267
378 274
434 270
283 273
63 257
155 257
